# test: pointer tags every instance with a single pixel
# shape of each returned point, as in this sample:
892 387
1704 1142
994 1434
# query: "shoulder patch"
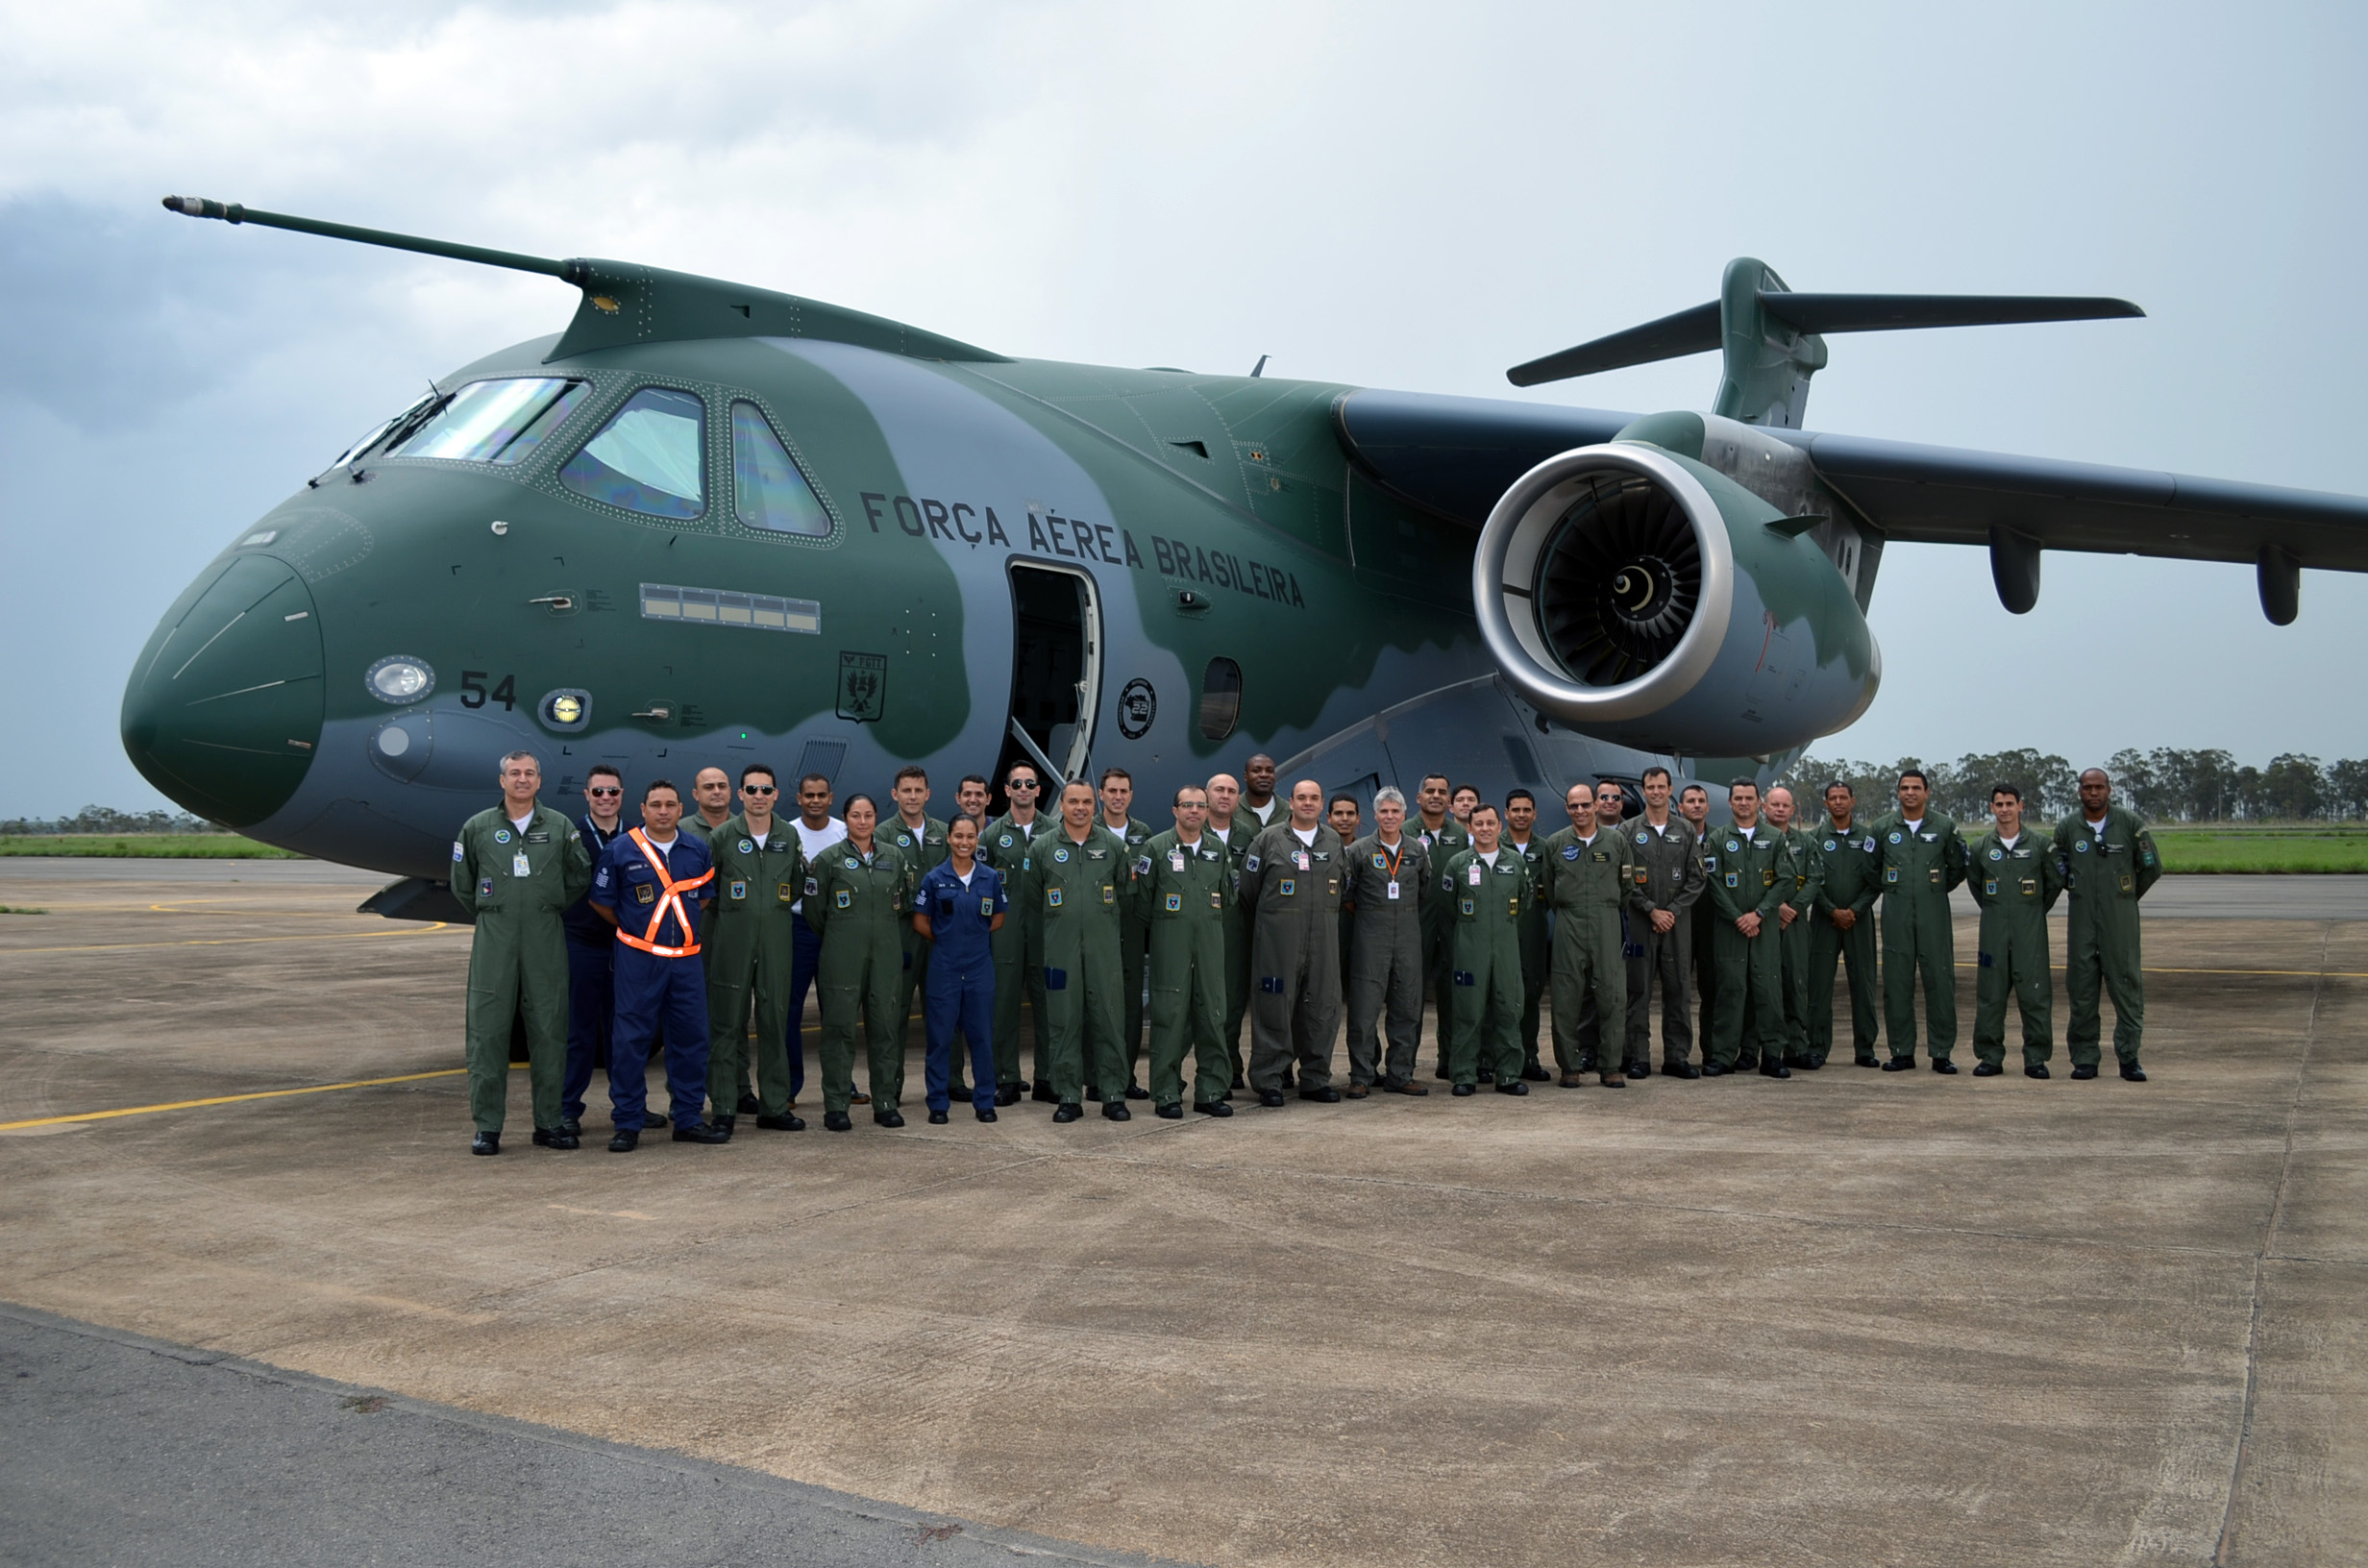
456 852
1251 864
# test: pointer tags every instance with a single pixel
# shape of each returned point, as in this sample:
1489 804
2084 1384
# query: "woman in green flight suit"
857 896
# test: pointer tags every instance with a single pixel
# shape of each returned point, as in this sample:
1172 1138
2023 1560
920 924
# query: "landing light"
399 679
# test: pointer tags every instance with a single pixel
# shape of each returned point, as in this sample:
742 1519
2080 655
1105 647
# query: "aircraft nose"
224 707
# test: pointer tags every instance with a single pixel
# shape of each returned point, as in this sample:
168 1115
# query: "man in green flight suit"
1442 838
1183 882
1076 877
1921 860
1693 804
1018 943
516 868
921 839
1750 872
1236 829
1118 799
759 873
1487 891
1589 876
1841 929
2016 880
858 896
1387 876
1522 838
2108 862
1793 922
1292 881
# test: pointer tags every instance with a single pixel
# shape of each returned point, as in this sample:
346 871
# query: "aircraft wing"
1456 456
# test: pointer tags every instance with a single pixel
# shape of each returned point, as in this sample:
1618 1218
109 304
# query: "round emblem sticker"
500 835
1895 835
1061 855
2080 845
748 846
1997 854
1828 847
1138 706
1006 840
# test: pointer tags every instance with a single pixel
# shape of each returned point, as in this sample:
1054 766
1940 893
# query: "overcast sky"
1411 197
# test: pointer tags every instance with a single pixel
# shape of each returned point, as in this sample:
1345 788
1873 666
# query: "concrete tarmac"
1850 1318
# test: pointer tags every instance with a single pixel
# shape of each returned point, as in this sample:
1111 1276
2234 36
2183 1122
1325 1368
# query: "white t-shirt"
1914 827
1489 856
1588 842
2010 842
966 875
2098 828
520 824
1305 835
815 840
1265 813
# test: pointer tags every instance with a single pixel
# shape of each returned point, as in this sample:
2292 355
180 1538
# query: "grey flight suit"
1294 891
518 889
1669 876
1485 904
1920 871
1853 876
1181 891
743 1084
1385 961
1132 937
923 851
1537 950
1018 946
1749 873
1807 885
2015 886
1237 839
1588 883
1706 923
1438 930
748 948
2106 876
1077 891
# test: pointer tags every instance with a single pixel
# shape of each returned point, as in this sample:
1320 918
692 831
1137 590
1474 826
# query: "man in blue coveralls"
591 954
957 908
647 885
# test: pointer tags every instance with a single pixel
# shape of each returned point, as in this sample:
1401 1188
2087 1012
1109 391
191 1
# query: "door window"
1220 698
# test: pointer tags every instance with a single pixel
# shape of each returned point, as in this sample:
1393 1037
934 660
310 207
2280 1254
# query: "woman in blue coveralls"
958 906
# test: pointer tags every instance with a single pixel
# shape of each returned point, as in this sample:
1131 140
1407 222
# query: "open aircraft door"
1055 672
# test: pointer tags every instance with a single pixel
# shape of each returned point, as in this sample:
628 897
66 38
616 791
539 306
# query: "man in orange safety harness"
649 885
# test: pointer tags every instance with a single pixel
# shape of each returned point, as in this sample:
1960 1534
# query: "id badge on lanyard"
519 865
1393 887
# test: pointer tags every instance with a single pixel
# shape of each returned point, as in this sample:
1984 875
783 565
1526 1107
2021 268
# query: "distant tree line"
2163 785
108 819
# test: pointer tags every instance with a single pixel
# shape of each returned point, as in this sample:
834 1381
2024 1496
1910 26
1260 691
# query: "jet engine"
1649 600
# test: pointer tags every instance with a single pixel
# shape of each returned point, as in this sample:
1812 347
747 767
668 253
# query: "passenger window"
1220 698
648 458
768 491
493 422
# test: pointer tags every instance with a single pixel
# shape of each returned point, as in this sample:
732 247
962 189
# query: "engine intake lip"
1515 549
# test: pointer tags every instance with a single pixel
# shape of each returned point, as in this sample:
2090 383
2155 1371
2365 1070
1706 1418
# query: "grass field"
143 846
2219 846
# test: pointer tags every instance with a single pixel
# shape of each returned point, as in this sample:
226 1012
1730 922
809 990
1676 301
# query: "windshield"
493 422
648 458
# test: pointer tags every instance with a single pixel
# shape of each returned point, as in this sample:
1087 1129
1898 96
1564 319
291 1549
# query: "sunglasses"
602 789
756 788
1022 784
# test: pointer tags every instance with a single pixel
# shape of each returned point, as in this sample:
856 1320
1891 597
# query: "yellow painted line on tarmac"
227 941
234 1099
2307 975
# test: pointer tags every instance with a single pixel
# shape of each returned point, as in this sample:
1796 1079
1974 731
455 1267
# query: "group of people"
680 934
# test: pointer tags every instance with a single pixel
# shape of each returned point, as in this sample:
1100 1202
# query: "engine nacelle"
1645 599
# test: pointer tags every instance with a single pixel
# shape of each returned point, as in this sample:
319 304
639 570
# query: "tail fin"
1771 337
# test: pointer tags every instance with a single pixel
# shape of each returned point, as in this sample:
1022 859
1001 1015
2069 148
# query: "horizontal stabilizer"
1698 331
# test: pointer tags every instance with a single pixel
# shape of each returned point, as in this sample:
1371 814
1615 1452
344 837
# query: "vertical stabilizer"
1769 363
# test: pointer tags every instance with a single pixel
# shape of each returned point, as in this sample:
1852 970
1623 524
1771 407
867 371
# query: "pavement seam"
1015 1542
2269 1238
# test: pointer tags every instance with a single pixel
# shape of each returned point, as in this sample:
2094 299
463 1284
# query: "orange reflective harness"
673 900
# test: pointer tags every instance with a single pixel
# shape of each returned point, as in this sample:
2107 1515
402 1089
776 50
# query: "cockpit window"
648 458
409 416
768 490
493 422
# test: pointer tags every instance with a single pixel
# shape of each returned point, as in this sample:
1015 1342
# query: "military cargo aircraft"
709 524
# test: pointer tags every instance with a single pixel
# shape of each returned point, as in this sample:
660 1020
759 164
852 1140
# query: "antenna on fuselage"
1259 366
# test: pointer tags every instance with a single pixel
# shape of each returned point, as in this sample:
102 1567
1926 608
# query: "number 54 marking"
473 693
